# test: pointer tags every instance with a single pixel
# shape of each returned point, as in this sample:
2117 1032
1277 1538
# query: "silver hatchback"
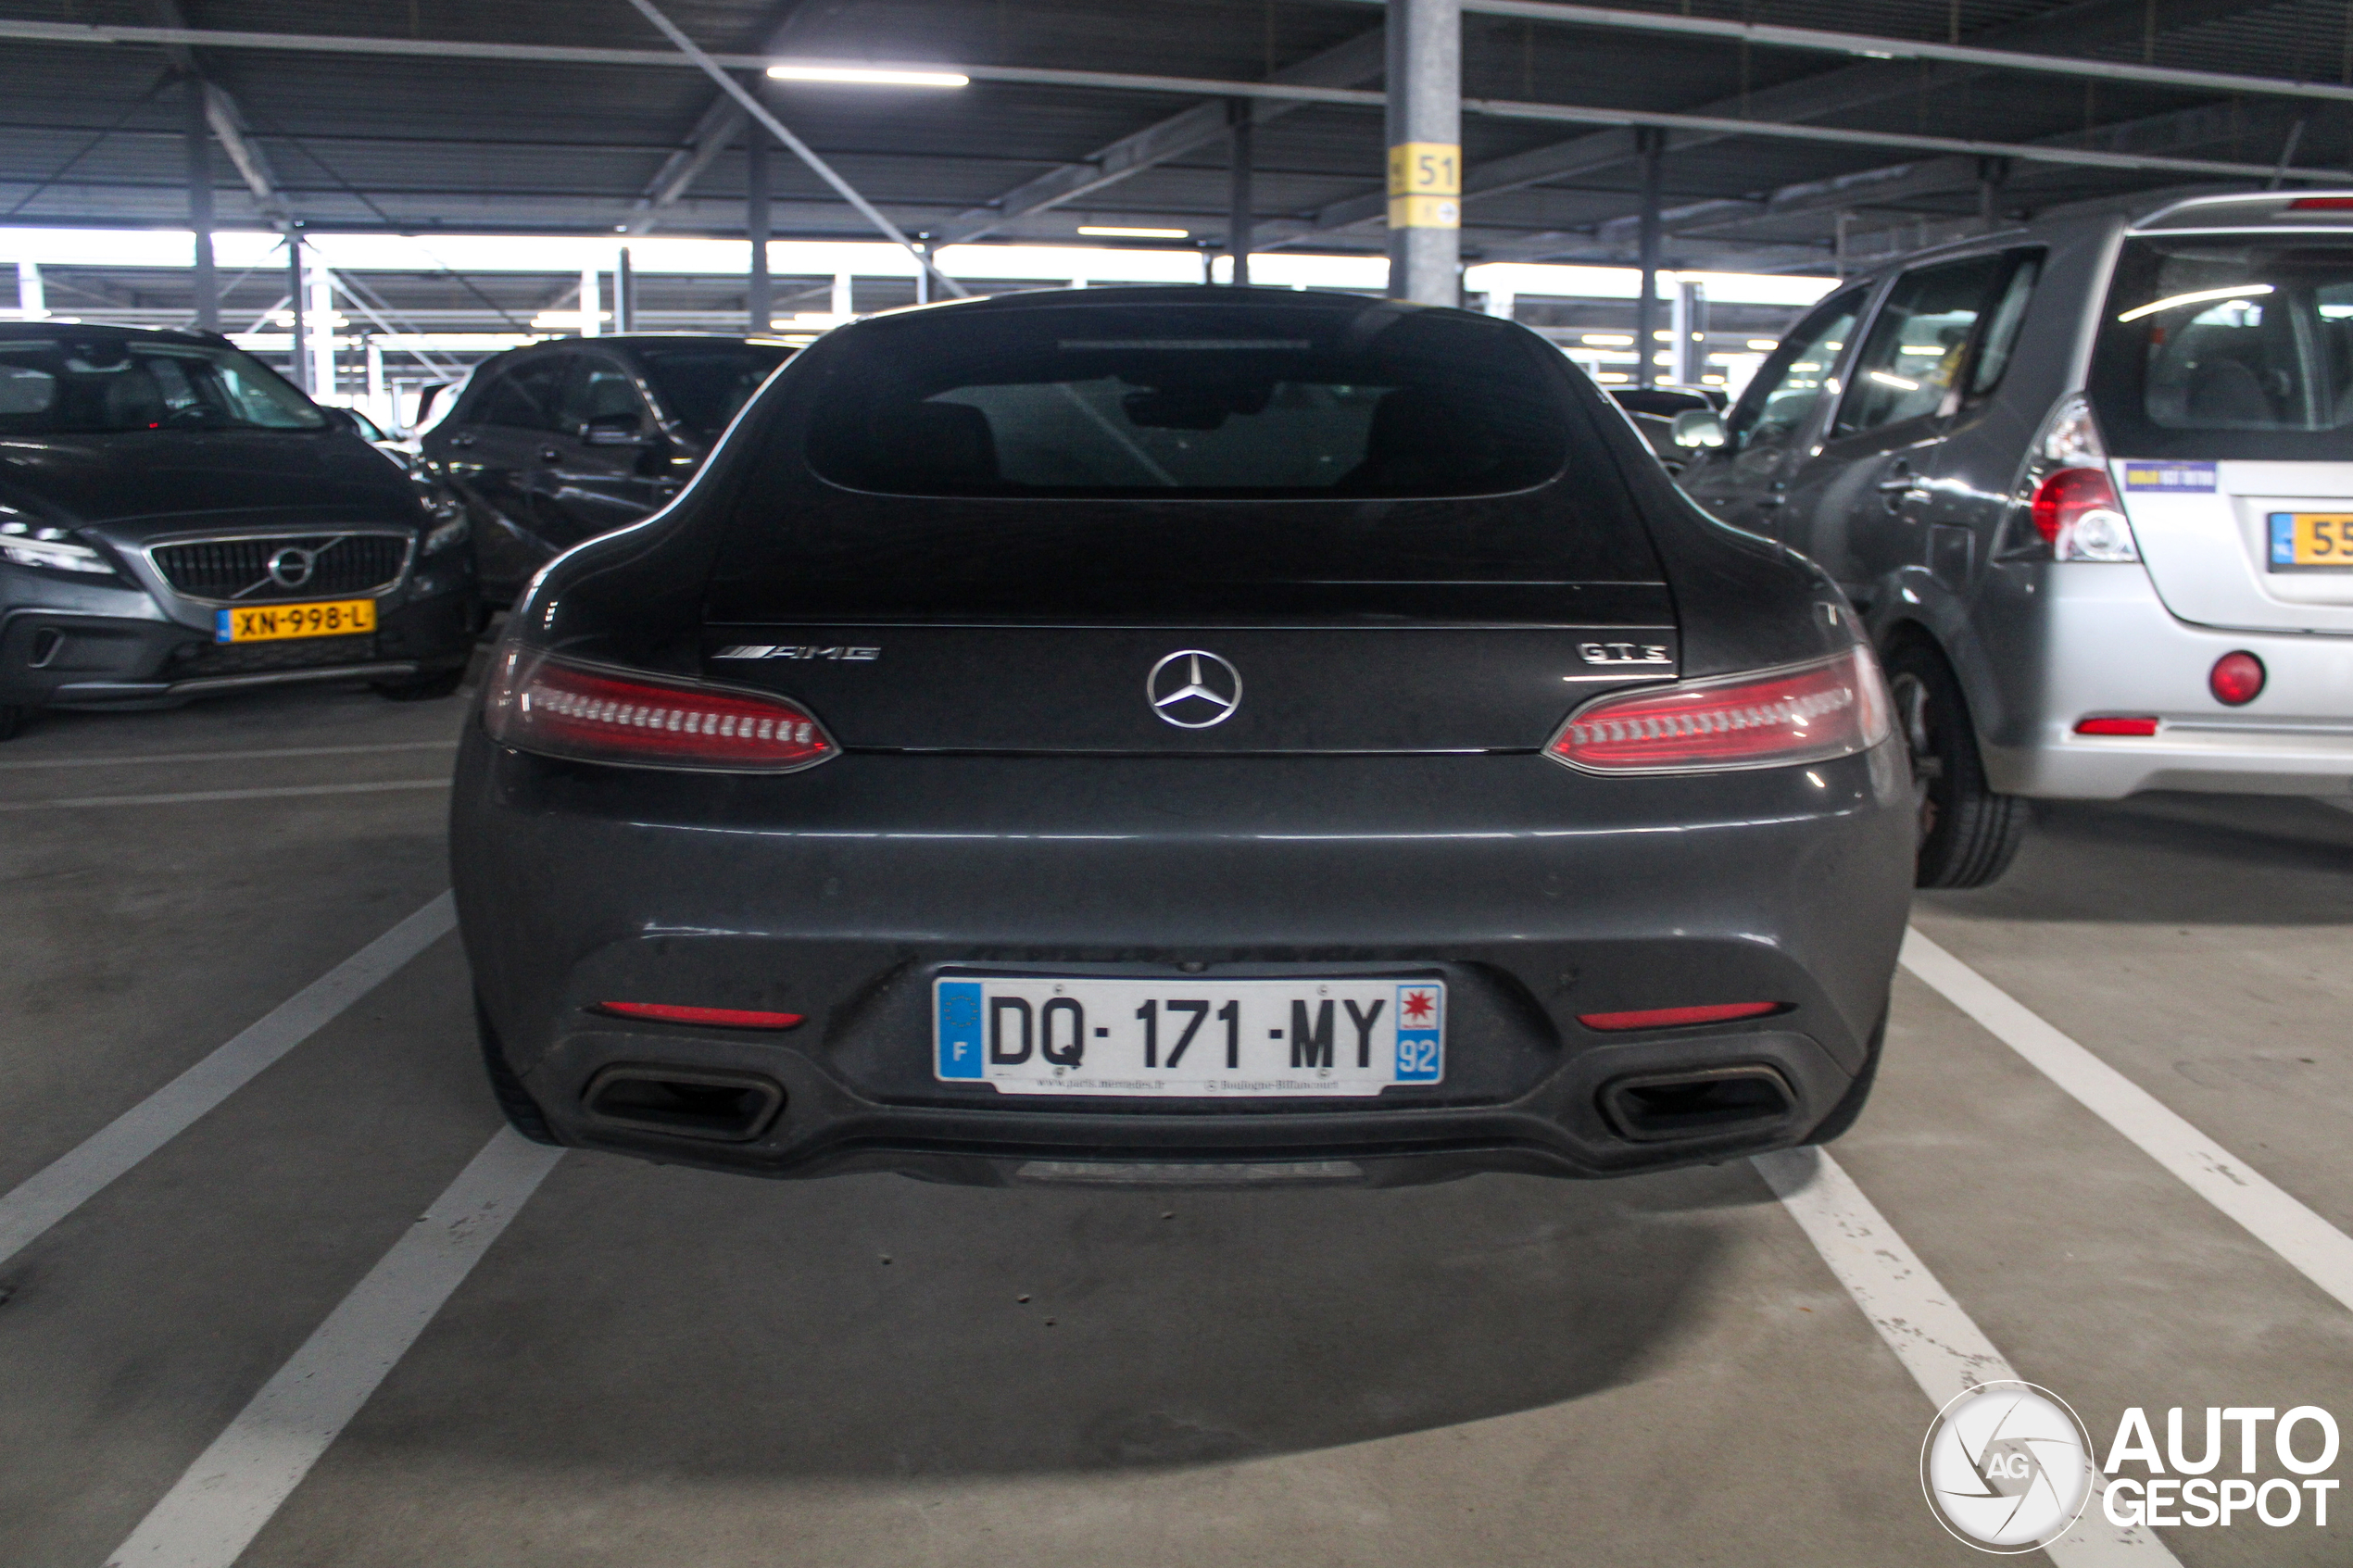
2090 483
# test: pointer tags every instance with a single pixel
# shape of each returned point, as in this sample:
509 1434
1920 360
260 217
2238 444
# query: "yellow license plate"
270 623
2310 539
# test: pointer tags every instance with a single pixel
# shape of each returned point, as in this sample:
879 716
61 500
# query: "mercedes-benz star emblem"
292 567
1193 689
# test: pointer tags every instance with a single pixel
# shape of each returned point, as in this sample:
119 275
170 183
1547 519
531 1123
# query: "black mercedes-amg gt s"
1182 734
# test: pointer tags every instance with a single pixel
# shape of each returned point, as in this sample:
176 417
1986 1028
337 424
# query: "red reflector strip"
2116 726
1667 1018
596 715
1808 713
722 1017
2322 204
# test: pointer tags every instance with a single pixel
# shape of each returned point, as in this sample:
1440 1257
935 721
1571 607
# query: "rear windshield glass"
2228 346
1184 456
702 386
101 384
1190 400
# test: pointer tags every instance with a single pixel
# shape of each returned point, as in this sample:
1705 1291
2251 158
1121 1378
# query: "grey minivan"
2090 483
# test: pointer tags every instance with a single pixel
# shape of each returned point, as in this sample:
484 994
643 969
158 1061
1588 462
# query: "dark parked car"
1197 735
560 442
176 520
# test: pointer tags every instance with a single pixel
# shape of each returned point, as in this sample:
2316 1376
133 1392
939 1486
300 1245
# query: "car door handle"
1901 484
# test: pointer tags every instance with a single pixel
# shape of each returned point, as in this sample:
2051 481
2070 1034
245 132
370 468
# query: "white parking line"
138 758
2310 1245
1939 1344
76 1176
223 1500
190 795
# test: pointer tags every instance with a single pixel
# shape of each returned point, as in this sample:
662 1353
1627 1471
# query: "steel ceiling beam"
1819 96
1862 45
227 118
1878 46
1361 58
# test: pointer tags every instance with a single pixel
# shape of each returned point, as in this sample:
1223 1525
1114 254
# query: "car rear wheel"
1968 832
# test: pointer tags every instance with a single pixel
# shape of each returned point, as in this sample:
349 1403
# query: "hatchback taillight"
2078 515
1810 712
594 713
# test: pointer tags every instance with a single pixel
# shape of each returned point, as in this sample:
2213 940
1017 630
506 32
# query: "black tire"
521 1111
12 718
1968 834
423 688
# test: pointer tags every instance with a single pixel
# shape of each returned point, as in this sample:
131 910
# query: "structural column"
756 304
625 295
1239 122
298 364
323 331
1653 142
199 138
1425 150
591 308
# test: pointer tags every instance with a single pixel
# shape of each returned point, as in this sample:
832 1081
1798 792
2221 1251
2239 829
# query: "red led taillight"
2322 204
2117 724
1670 1018
1812 712
718 1018
2236 679
595 714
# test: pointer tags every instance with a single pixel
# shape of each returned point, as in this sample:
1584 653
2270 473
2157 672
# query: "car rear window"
1346 454
2228 346
1194 400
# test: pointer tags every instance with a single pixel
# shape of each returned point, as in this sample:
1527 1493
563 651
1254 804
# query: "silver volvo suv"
2090 483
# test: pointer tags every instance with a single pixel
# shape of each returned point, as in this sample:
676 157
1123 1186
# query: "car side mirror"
615 430
1700 427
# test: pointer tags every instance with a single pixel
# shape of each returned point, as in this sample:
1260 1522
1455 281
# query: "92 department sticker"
270 623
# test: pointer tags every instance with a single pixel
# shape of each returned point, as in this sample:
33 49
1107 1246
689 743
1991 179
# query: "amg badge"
763 650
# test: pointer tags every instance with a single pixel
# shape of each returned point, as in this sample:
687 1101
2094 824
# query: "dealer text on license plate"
2310 539
270 624
1234 1039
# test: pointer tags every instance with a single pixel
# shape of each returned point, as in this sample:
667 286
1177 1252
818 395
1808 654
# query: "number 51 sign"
1426 185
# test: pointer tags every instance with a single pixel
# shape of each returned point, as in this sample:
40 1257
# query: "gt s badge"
761 651
1624 653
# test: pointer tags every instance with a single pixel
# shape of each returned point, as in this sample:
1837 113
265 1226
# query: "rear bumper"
2110 646
839 893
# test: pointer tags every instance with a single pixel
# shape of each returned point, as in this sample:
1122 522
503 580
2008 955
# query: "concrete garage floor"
654 1366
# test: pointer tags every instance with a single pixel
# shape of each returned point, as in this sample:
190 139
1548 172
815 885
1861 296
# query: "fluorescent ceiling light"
1608 340
1899 382
565 318
2238 290
1767 344
1114 231
864 78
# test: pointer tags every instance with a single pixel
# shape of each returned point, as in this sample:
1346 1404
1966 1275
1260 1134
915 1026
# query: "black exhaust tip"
684 1102
1663 1106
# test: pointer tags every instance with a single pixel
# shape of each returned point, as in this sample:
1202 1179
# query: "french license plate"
270 624
1234 1039
2310 539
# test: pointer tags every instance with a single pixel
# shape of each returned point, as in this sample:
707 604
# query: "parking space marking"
193 795
1939 1344
140 758
216 1509
76 1176
2310 1245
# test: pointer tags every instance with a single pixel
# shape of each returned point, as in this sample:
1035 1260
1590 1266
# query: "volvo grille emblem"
1193 689
292 567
